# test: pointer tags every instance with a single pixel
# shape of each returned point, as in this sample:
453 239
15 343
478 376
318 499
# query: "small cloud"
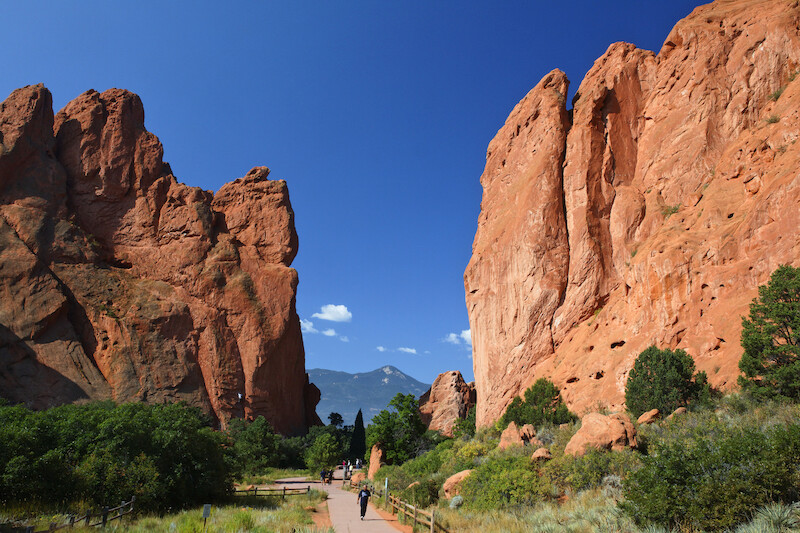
453 338
466 335
427 351
329 333
344 339
381 349
407 350
306 326
334 313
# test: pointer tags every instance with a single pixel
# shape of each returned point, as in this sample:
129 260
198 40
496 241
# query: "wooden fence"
282 492
398 506
91 519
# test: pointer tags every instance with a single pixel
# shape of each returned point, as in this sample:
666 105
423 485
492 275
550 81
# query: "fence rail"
103 517
282 492
398 506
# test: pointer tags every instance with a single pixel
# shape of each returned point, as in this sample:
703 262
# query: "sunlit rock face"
119 282
647 214
447 401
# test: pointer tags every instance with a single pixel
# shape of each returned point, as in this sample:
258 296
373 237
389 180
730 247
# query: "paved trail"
343 508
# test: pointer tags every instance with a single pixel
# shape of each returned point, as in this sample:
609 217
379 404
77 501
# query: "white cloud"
381 349
453 338
329 333
344 339
466 335
334 313
407 350
306 326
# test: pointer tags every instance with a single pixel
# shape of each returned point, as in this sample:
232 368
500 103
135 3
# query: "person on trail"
323 475
363 499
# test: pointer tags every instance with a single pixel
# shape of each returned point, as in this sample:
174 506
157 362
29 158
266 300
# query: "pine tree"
358 441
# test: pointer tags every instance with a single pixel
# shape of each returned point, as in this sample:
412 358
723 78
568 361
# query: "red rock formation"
452 485
120 282
376 455
648 216
448 400
612 432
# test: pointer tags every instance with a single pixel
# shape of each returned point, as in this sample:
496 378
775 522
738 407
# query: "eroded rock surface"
448 400
119 282
602 432
646 215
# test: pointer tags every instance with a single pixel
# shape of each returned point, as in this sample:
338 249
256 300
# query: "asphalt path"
343 507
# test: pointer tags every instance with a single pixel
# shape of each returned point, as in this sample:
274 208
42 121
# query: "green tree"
401 433
664 380
358 440
336 420
542 404
324 453
255 444
771 338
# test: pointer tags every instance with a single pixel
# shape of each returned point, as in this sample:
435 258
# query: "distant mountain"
345 393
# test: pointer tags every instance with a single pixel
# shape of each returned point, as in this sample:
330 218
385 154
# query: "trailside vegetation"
165 455
399 430
358 439
664 380
771 338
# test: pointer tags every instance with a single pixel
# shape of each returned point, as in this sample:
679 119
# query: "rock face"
118 282
448 400
612 432
646 215
376 455
649 417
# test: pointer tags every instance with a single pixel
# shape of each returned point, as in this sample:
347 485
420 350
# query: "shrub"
165 455
715 483
668 210
777 94
542 404
772 119
771 338
255 445
664 380
465 427
505 481
423 493
324 453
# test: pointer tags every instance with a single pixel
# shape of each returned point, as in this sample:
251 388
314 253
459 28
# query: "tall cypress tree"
358 442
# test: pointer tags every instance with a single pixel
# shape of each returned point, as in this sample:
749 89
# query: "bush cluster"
101 453
542 404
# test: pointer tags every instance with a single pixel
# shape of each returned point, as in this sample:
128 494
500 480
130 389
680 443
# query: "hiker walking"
363 499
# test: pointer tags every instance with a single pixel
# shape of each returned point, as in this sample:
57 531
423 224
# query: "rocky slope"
119 282
646 214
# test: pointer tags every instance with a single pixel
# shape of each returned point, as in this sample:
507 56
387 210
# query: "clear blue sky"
377 114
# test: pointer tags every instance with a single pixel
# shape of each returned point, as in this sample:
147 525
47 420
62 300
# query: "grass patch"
772 119
777 94
668 210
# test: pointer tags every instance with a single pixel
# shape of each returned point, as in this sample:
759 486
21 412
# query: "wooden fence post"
433 520
284 493
88 516
105 517
415 516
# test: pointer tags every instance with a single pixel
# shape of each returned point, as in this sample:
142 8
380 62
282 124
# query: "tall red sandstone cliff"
119 282
647 214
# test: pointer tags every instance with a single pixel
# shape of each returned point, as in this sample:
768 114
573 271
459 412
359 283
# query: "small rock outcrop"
449 399
513 436
376 461
648 214
541 454
119 282
452 485
649 417
602 432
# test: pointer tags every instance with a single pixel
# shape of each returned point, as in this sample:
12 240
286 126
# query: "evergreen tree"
358 441
664 380
771 338
542 404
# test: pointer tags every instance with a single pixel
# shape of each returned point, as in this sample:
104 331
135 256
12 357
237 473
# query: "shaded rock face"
448 400
648 215
452 485
119 282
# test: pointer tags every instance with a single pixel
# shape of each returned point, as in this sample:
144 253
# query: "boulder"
376 455
358 477
452 485
649 417
677 412
541 454
448 400
510 437
649 213
603 432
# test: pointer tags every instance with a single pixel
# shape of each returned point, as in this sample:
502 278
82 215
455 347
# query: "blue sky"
376 113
